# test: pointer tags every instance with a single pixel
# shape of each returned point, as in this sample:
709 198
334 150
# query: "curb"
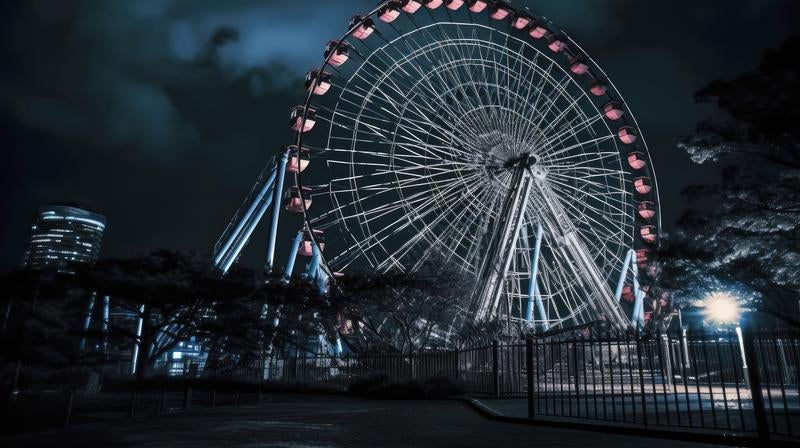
731 439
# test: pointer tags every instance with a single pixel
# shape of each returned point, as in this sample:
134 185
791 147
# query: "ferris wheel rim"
629 119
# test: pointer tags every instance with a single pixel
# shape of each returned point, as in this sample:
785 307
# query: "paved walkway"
322 421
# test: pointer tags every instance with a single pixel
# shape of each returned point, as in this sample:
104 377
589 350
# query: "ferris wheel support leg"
533 291
311 272
245 225
276 210
287 272
637 318
623 274
242 237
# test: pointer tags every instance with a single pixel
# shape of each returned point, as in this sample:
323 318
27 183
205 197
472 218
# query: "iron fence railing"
737 383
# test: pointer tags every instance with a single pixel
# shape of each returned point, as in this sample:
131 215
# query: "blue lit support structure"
138 344
88 321
313 267
106 323
276 210
241 228
287 273
637 315
534 295
622 275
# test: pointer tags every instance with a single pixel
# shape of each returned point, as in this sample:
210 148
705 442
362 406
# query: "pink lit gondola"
538 30
613 111
598 88
477 6
307 246
649 234
339 52
298 159
556 44
410 6
454 4
628 135
499 11
363 27
642 256
636 160
292 201
643 185
433 4
318 82
647 210
520 20
578 66
296 119
390 12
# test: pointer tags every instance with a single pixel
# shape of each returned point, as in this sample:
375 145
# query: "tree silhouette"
744 232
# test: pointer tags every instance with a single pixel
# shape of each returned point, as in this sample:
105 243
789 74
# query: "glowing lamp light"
722 308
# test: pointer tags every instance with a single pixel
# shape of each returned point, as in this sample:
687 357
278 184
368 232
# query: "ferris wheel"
480 134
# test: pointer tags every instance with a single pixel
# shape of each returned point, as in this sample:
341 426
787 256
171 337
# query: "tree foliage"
743 233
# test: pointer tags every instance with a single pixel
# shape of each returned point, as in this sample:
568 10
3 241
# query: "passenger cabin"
538 30
578 66
647 210
628 135
339 52
410 6
649 234
613 111
390 12
296 119
642 256
643 185
292 201
364 27
520 20
500 11
433 4
556 44
453 4
298 159
598 88
307 246
636 160
477 6
318 82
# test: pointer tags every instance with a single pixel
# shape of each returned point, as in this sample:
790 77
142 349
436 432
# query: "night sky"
160 114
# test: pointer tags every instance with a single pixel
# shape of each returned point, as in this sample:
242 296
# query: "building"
64 237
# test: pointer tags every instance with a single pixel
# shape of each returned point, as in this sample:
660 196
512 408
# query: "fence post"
213 397
529 376
457 364
496 368
187 397
134 398
754 375
162 407
68 407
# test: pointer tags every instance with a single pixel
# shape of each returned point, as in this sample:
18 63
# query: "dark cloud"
160 113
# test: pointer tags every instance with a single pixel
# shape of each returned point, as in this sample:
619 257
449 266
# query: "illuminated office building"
64 237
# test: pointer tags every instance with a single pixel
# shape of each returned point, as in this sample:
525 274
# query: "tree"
744 232
169 291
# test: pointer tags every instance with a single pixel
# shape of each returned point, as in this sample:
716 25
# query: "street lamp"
722 309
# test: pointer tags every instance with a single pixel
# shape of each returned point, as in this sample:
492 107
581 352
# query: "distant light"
722 308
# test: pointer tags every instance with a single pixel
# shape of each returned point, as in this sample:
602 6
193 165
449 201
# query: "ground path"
328 421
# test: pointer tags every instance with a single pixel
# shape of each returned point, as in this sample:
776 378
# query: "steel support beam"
287 272
276 211
503 244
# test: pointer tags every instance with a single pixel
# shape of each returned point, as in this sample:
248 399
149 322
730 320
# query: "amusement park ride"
477 132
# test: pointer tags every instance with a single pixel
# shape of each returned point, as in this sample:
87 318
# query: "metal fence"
735 383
